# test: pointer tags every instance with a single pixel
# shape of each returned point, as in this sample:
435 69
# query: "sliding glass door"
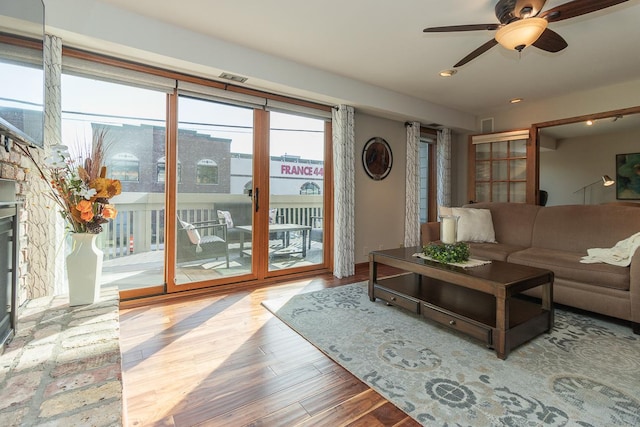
250 188
296 191
214 210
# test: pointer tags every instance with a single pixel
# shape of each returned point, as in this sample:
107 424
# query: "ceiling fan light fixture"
522 33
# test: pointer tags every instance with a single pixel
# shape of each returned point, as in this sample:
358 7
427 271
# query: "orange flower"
86 216
109 212
86 210
105 187
84 206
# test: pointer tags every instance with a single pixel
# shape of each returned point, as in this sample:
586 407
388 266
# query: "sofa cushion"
578 228
512 222
567 265
493 251
474 225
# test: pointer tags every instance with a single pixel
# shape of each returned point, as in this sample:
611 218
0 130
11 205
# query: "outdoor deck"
140 270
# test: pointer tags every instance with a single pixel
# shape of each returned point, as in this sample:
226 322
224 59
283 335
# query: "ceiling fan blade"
479 51
470 27
528 8
576 8
550 41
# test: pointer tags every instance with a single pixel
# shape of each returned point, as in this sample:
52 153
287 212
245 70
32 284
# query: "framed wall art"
628 176
377 158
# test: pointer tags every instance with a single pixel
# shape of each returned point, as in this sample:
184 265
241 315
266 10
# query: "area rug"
586 372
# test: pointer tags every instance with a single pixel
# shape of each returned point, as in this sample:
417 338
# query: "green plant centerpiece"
447 253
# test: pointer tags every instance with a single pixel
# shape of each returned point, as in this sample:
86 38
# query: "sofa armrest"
429 232
634 290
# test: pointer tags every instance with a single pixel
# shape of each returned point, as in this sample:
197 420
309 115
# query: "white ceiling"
382 43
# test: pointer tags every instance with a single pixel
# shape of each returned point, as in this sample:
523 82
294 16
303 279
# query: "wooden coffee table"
483 302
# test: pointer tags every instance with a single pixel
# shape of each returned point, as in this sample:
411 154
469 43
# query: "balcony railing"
139 226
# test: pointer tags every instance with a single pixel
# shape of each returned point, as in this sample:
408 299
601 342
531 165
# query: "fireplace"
8 261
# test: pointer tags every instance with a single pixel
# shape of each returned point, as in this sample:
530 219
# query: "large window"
21 95
202 225
310 188
207 172
426 153
132 120
499 167
162 170
125 167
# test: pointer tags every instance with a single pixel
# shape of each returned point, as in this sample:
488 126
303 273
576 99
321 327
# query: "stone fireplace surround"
63 367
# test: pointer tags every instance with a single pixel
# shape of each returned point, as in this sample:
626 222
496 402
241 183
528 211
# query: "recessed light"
589 122
447 73
515 100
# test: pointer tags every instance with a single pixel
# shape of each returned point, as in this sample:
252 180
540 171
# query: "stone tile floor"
63 366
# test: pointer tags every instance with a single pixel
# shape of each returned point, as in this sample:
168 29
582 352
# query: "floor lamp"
605 180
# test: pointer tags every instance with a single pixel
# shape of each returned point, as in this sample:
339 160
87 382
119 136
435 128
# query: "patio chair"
234 214
201 240
317 231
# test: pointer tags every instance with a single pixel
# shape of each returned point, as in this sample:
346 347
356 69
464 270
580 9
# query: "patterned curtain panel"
47 228
412 186
443 167
344 191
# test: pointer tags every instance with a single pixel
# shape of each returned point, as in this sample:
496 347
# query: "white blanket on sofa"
619 255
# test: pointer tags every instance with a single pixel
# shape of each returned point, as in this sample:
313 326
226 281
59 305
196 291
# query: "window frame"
531 157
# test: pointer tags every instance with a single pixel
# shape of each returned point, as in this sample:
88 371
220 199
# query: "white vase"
84 269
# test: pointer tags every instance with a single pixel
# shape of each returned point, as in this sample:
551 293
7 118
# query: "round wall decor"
377 158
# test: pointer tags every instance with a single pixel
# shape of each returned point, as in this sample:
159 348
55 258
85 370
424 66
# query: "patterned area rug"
585 373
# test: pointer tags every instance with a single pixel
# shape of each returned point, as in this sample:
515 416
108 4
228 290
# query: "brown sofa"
556 238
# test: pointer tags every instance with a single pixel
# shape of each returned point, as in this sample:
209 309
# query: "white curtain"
412 187
443 167
344 191
46 245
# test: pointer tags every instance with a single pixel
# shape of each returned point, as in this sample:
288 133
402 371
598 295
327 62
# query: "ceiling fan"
521 23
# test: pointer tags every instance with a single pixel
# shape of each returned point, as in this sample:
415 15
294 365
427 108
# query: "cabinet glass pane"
500 192
483 171
518 192
500 170
500 150
518 169
483 151
519 148
483 193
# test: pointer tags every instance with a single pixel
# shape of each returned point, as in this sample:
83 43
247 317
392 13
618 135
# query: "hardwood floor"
222 359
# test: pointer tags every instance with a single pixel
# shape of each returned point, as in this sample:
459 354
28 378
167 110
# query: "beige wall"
380 205
580 161
613 97
459 169
522 116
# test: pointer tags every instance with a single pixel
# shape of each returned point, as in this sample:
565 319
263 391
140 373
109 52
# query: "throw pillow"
444 210
474 225
225 216
194 235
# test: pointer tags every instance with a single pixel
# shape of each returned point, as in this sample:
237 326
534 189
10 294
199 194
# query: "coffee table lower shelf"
466 310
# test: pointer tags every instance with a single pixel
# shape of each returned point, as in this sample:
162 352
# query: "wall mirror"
574 156
21 68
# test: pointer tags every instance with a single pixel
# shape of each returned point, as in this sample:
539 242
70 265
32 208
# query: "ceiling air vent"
233 77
